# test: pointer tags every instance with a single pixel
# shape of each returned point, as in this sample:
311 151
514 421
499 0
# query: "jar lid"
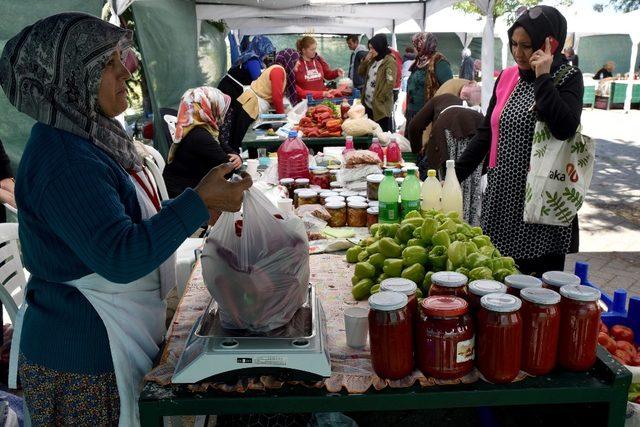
375 178
374 203
319 170
287 181
387 301
356 199
521 281
334 199
485 287
302 190
501 303
362 194
348 193
541 296
358 205
373 210
307 194
333 171
333 167
580 293
560 278
335 205
444 306
326 194
397 284
335 184
449 279
302 181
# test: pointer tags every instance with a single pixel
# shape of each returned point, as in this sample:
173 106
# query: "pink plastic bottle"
377 148
348 145
394 156
293 158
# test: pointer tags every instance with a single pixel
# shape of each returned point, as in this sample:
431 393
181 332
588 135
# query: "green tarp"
594 51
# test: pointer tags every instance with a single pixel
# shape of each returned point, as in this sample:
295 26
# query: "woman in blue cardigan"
96 240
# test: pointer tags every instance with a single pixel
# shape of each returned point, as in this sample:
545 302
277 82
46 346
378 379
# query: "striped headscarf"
52 71
426 45
288 58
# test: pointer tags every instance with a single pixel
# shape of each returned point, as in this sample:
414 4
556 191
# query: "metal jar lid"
580 293
449 279
485 287
358 205
335 205
375 178
560 278
285 181
397 284
540 296
387 301
522 281
501 303
373 210
356 199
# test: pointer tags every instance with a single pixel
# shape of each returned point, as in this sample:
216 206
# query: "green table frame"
607 382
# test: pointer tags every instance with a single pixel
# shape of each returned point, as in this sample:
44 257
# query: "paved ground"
610 218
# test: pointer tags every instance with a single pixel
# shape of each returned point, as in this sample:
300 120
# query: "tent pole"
505 50
424 15
635 39
394 40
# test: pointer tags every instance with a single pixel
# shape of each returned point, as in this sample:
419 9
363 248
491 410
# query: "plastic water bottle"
293 158
388 194
348 145
431 192
394 156
451 191
410 193
377 148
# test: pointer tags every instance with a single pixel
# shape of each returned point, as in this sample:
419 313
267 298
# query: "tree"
502 7
619 5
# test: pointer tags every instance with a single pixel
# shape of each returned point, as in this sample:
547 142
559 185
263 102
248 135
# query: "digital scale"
296 351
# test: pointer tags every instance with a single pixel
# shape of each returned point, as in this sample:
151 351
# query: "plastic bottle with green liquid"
388 194
410 193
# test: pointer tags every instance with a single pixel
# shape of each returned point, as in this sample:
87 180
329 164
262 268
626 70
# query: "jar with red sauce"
480 288
320 177
499 329
579 327
403 286
372 216
557 279
445 341
517 282
390 335
449 283
540 329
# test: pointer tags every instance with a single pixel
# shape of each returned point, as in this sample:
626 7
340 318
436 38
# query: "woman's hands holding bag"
541 60
218 194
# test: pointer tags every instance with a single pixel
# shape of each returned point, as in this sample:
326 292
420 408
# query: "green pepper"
392 267
457 253
417 233
428 229
417 242
416 222
453 215
375 289
388 230
438 258
415 273
352 254
363 256
365 270
501 273
414 255
426 283
374 229
507 262
463 270
482 241
389 248
374 248
470 248
463 228
440 217
441 238
412 214
354 280
376 260
362 289
461 237
448 225
381 278
480 273
406 232
449 266
476 231
489 251
475 260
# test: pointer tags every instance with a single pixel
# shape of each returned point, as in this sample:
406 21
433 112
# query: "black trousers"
385 122
540 265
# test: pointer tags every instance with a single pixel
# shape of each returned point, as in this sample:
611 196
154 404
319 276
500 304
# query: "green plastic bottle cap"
388 172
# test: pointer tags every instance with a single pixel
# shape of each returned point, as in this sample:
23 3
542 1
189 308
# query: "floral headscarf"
426 45
259 47
202 106
288 58
52 70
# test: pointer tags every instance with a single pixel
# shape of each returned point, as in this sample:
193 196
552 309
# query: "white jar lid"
374 203
375 178
307 194
326 194
334 199
397 284
501 303
387 301
348 193
580 293
373 210
560 278
449 279
287 181
356 199
485 287
358 205
540 296
522 281
335 205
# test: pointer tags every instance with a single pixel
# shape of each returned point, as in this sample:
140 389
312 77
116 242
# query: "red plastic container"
394 156
293 158
377 148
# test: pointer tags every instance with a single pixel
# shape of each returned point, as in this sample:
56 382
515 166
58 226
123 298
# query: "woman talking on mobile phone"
542 86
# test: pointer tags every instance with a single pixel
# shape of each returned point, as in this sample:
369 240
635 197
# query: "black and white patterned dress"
503 202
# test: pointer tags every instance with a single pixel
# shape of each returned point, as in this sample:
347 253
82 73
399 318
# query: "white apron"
133 315
263 104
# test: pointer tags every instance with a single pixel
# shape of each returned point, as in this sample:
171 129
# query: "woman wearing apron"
93 234
312 70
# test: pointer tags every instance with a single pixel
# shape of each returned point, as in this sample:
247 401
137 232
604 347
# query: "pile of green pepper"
424 243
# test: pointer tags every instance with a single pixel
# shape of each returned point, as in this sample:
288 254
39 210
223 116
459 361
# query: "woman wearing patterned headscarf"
430 70
93 234
287 59
196 145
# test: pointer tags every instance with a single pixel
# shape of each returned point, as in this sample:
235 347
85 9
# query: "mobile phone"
554 45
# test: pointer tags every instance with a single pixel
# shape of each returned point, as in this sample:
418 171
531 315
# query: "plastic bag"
260 278
318 211
360 127
356 158
297 112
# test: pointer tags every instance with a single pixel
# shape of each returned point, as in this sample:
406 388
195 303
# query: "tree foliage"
619 5
502 7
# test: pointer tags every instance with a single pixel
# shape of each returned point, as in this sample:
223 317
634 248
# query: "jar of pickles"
480 288
320 177
540 329
404 286
390 335
325 195
357 214
444 338
372 216
307 197
333 176
579 327
296 192
499 349
373 182
338 212
356 199
517 282
289 184
557 279
449 283
334 199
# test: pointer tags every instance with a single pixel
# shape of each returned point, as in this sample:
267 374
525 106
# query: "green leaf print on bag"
578 146
544 211
540 151
541 135
583 162
573 196
561 211
528 193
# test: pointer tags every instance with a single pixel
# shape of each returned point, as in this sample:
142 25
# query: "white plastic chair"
12 275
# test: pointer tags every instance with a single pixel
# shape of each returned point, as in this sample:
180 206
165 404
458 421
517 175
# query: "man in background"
357 55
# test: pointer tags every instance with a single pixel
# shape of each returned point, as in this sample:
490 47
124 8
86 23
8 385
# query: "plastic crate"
355 95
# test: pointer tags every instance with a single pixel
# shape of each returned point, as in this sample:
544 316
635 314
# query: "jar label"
465 350
388 212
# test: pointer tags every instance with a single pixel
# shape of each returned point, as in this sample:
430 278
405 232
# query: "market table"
606 383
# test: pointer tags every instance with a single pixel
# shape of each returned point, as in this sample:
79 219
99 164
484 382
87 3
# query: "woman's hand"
7 197
235 160
340 72
371 55
541 60
8 184
219 194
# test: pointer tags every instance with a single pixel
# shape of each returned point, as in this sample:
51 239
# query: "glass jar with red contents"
499 329
557 279
390 335
403 286
372 216
320 177
540 329
517 282
449 283
579 327
480 288
445 341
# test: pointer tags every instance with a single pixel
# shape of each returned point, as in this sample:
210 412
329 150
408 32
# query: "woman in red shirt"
311 70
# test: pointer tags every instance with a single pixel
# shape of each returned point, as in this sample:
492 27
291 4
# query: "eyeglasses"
536 11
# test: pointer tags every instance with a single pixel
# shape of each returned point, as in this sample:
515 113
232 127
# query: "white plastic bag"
259 279
297 112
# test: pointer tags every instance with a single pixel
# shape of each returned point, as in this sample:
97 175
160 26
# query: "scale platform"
297 351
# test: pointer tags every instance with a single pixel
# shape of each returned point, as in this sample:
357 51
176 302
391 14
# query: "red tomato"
626 346
623 355
611 346
635 360
603 328
603 338
622 333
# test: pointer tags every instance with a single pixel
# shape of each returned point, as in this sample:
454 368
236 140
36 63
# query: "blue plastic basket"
355 95
617 311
